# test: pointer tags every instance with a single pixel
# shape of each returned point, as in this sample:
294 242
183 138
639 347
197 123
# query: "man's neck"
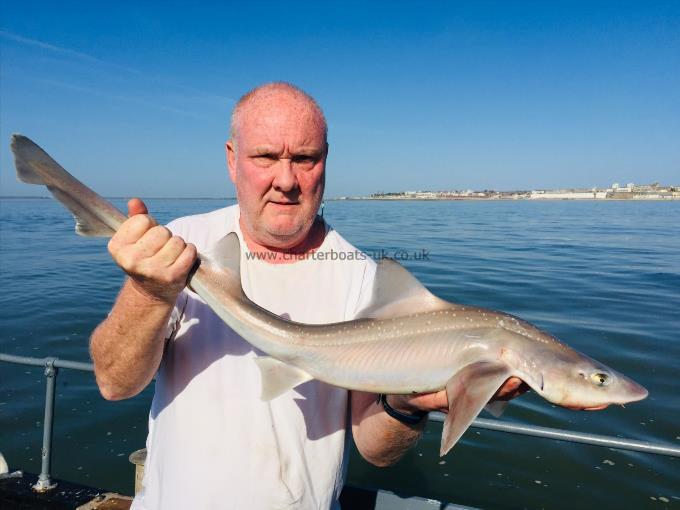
275 255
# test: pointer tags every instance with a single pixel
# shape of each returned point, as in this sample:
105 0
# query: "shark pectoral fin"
496 408
279 377
396 293
468 392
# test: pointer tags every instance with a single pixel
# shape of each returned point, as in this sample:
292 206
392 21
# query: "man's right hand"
157 262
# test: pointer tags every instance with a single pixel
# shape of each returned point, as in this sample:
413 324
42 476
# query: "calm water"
602 276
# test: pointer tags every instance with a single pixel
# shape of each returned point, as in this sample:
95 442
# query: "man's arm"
383 440
127 346
380 439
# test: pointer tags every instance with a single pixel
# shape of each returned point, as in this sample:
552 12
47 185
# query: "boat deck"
17 493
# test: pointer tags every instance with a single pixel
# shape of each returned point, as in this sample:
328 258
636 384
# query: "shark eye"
600 379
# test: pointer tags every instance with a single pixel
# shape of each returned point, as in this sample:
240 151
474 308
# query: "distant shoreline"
480 199
366 199
13 197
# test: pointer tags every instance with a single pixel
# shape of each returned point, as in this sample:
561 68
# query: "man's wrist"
149 297
412 417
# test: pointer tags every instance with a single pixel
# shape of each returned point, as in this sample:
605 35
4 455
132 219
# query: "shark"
406 341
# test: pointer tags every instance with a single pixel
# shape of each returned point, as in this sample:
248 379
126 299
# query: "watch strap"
408 419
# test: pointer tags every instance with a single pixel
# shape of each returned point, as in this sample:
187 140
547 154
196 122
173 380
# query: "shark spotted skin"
406 341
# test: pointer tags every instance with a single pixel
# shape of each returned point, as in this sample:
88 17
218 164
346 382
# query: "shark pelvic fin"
94 216
468 392
496 408
279 377
396 292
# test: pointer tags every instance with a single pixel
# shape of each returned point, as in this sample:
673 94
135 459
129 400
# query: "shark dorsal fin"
222 265
397 293
226 253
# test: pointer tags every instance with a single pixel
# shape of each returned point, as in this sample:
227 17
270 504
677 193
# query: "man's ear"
231 159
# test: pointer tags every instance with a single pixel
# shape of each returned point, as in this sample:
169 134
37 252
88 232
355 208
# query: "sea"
603 276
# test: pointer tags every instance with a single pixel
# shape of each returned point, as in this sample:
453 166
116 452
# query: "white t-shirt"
213 443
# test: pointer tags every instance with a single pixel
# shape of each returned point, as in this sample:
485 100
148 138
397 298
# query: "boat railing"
52 365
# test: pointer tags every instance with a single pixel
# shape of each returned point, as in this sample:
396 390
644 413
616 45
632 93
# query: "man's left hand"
437 401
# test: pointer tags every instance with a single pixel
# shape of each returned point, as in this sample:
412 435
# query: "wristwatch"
408 419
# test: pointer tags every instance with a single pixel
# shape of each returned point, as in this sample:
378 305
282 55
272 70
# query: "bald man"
212 442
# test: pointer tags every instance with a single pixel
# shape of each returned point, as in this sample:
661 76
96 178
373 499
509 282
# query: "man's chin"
285 228
284 221
285 235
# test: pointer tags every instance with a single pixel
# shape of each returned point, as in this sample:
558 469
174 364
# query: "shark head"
588 384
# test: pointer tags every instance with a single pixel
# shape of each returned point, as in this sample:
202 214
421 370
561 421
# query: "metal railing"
52 366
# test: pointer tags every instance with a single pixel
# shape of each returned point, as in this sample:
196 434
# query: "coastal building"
566 194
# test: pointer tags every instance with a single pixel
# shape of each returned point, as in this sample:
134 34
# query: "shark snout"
635 391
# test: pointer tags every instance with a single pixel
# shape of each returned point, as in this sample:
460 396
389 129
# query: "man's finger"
153 241
136 206
169 252
133 229
186 260
512 388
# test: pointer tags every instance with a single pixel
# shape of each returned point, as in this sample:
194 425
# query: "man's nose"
284 179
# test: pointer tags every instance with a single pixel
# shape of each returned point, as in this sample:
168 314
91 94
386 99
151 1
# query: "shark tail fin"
94 215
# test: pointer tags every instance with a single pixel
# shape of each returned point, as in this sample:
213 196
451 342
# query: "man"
212 442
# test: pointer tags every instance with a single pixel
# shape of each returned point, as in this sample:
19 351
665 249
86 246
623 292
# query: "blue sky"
134 97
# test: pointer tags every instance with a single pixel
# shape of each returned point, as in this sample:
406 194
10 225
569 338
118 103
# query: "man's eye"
264 160
304 160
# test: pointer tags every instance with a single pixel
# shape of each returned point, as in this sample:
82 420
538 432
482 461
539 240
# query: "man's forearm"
127 346
381 439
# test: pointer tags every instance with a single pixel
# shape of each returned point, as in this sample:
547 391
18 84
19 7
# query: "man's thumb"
136 206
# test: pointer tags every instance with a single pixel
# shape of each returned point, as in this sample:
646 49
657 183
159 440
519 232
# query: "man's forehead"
280 104
279 100
269 148
268 127
275 114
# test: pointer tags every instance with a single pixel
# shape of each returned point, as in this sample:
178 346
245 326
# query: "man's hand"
157 262
437 401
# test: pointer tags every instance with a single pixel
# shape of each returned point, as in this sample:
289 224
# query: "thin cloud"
128 99
64 51
84 57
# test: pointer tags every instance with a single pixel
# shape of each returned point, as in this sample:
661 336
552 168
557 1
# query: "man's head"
277 158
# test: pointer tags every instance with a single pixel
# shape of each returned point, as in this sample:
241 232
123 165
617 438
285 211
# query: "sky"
134 98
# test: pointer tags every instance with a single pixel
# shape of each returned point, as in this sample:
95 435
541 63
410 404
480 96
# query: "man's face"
277 165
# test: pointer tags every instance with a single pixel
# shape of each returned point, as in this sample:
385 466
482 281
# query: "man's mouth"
282 202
